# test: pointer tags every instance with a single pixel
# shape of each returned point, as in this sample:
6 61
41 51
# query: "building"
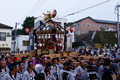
5 38
89 24
22 42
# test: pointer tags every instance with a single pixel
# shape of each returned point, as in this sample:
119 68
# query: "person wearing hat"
29 73
13 74
3 69
47 73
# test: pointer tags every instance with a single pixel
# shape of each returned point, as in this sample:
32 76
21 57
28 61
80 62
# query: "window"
25 43
101 25
83 24
2 36
78 25
74 26
88 25
105 26
97 25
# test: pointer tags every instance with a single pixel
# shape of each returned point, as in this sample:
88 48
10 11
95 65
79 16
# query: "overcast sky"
12 11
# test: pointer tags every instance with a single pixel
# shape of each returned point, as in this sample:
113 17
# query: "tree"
19 32
28 23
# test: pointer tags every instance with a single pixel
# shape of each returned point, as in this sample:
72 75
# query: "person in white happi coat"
80 70
20 69
65 73
41 67
13 74
59 64
29 74
55 69
25 64
47 73
3 69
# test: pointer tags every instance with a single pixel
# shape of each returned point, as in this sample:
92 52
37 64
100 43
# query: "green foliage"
28 23
105 37
19 32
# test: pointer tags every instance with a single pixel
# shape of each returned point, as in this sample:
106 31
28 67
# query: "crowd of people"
44 68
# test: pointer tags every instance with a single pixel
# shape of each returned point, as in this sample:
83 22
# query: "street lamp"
15 35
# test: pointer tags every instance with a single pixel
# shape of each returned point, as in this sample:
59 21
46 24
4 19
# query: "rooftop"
98 21
5 26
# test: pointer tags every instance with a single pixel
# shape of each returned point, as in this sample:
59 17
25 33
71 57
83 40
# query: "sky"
12 11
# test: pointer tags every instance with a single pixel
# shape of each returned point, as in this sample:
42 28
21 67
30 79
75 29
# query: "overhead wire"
76 6
86 8
33 8
39 7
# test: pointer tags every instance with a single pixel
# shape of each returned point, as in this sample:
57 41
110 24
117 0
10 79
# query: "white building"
22 42
5 38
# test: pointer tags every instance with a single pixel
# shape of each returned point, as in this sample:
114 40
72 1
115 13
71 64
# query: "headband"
44 58
31 63
2 61
16 59
20 64
48 66
15 66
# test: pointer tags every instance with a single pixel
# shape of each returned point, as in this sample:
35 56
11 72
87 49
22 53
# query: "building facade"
89 24
22 42
5 38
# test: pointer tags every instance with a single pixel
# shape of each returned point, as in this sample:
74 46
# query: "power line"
35 6
40 6
86 8
77 5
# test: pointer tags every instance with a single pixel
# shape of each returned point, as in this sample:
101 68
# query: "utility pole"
118 35
15 36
